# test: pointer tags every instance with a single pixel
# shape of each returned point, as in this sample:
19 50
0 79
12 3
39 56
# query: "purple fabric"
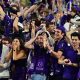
39 62
38 65
77 7
59 46
8 25
79 74
69 71
32 1
49 18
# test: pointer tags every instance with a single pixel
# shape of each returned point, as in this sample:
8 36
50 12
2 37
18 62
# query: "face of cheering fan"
75 41
16 42
58 34
40 39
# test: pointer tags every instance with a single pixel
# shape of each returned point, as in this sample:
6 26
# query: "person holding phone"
70 60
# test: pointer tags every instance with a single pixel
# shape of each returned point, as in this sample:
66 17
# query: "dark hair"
74 10
38 22
34 16
21 43
76 34
0 36
61 28
45 33
7 39
11 10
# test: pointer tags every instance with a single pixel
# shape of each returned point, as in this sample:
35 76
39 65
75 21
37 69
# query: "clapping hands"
67 62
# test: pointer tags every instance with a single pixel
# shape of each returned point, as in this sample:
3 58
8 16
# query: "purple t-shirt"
8 25
40 60
69 71
59 46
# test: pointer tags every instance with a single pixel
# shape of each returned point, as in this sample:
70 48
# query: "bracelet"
72 64
50 51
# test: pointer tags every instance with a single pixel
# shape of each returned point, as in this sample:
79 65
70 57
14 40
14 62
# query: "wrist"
72 64
49 47
50 51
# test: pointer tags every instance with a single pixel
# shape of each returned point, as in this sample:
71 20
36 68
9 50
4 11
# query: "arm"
57 54
29 44
33 29
29 10
67 62
15 24
1 10
75 21
8 56
74 64
71 64
4 63
22 12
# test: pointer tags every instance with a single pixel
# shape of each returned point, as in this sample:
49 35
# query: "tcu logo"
40 64
32 66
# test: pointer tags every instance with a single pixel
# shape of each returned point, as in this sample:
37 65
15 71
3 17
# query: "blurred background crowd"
40 39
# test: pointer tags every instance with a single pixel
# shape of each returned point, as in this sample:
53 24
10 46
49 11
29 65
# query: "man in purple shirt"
60 47
70 61
39 66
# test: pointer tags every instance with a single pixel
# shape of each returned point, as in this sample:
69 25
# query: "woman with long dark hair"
18 60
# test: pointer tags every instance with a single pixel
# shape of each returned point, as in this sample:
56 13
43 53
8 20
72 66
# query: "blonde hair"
1 11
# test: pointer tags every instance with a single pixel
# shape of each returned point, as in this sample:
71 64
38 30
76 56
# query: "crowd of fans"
40 41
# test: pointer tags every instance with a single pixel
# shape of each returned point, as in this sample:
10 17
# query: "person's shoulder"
70 47
63 41
7 18
5 47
